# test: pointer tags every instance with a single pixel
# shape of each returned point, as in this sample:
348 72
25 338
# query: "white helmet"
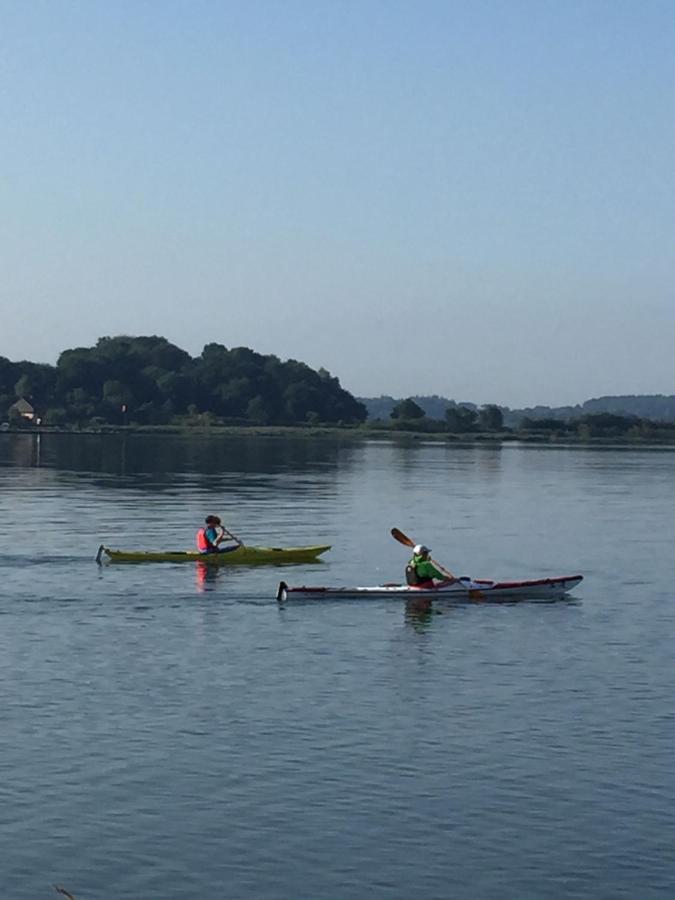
420 550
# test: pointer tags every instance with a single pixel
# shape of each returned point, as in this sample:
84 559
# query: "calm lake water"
168 733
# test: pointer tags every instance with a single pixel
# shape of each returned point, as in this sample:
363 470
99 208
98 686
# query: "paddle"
226 533
398 535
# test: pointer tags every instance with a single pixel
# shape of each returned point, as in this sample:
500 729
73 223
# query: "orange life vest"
202 543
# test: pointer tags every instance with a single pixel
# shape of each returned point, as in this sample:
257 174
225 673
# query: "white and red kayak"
464 589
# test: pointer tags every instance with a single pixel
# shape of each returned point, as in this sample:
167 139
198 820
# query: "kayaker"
421 572
213 535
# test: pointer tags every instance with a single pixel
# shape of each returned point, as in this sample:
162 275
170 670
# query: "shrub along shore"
641 432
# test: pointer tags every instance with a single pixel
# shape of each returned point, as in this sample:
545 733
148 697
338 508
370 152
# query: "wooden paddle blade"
402 538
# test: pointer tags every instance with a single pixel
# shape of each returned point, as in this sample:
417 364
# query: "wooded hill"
149 381
656 407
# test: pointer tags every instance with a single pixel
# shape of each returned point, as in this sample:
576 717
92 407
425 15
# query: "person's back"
207 537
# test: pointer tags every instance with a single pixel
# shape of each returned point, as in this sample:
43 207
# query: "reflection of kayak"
238 556
464 589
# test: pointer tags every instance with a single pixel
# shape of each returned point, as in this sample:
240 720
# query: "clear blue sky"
466 198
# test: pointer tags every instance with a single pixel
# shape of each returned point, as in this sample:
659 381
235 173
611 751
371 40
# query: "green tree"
300 398
116 393
258 411
605 424
407 409
55 416
24 387
161 380
543 424
490 418
460 419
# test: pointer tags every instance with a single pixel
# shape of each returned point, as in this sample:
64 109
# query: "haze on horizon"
465 199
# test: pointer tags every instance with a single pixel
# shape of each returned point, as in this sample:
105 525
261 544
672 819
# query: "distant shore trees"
651 407
150 381
407 409
460 419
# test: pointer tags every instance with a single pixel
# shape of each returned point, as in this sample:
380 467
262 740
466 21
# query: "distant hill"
434 406
657 407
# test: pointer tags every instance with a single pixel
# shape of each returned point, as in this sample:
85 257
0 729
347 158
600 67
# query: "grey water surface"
169 731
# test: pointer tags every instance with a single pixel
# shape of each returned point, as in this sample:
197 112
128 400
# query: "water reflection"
172 694
21 450
206 576
419 613
205 455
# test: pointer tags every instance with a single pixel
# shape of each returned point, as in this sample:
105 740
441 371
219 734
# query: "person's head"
421 550
212 520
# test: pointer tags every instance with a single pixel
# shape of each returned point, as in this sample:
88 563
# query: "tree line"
600 425
150 381
457 419
408 415
648 407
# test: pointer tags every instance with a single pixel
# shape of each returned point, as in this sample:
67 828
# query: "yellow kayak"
238 556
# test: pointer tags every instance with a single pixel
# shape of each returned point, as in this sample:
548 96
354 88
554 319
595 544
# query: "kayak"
464 589
238 556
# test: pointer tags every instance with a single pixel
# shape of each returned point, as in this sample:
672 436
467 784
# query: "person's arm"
226 535
440 576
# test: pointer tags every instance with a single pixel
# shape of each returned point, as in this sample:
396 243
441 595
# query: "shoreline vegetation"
368 432
145 384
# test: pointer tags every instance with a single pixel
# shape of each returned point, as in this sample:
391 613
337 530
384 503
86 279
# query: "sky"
471 198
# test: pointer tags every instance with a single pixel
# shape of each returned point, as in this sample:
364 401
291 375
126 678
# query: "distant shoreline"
349 433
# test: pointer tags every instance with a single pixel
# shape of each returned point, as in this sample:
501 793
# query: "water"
166 733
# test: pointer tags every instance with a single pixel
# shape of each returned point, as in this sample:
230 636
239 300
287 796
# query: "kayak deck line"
242 555
461 590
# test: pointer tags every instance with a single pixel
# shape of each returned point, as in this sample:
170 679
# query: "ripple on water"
164 735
